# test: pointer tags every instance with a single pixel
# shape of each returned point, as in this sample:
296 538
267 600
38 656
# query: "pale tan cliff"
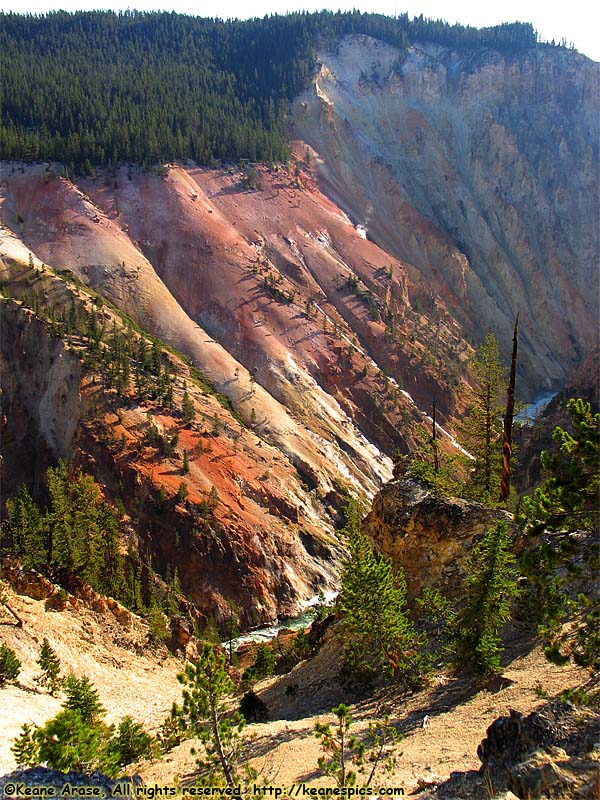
428 535
481 172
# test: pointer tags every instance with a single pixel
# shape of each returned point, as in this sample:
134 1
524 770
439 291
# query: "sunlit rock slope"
479 170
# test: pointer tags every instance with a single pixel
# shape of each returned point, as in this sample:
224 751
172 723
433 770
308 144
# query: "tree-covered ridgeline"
100 88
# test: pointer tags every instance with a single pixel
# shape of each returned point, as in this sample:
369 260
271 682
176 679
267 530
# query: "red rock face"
273 293
281 303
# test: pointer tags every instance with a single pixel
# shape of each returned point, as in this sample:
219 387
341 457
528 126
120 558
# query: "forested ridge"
100 88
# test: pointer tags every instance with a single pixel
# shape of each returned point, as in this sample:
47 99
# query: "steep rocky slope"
479 170
247 530
136 679
254 287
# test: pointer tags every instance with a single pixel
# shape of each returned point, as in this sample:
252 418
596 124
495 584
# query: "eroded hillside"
205 495
478 169
432 195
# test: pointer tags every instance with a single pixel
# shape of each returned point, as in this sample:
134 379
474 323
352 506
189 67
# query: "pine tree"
83 698
130 743
49 663
205 714
489 587
10 666
28 532
342 750
566 501
264 663
377 632
339 747
157 622
568 498
213 498
187 407
482 428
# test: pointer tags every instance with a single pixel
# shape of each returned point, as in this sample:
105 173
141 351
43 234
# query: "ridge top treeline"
101 88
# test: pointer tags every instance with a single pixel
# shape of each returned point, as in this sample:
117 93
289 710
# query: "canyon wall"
480 171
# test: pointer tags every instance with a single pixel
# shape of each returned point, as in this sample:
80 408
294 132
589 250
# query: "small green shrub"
66 742
10 666
131 742
49 663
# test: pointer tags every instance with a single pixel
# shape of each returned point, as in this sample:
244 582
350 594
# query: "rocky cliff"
430 536
246 530
480 171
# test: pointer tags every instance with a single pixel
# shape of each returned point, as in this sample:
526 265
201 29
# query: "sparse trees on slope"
77 738
78 531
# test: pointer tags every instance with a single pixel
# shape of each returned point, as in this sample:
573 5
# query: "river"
303 620
538 404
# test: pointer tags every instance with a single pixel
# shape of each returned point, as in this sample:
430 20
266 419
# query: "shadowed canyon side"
478 169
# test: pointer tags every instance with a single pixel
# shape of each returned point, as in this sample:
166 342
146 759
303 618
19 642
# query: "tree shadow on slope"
262 741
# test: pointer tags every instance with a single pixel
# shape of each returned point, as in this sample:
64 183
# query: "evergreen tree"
66 742
49 663
489 588
187 407
264 663
130 743
566 501
204 713
253 709
377 632
339 747
28 529
482 428
10 666
157 622
568 498
74 741
213 498
82 697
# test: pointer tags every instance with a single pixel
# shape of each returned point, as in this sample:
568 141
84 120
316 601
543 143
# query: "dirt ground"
136 680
